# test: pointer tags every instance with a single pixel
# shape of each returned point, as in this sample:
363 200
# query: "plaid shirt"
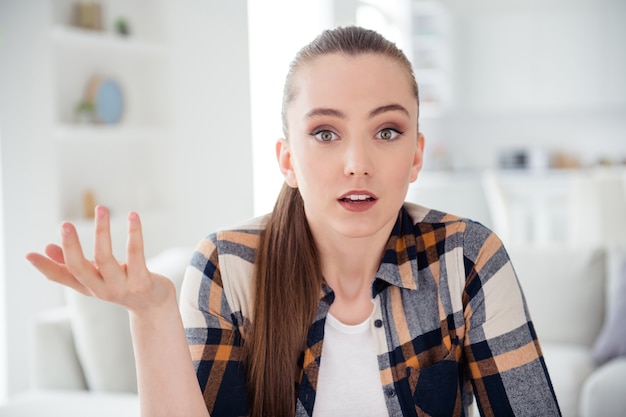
449 319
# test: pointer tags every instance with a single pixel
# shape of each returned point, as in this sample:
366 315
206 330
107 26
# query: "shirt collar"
399 264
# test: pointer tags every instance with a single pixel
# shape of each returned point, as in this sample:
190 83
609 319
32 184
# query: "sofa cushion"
565 291
55 363
103 343
569 366
603 393
611 342
102 331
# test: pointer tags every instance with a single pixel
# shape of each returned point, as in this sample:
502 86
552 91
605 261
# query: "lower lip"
357 206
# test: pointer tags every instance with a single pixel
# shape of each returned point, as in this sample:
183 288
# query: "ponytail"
288 283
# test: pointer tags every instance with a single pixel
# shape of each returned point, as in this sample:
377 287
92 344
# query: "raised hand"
128 284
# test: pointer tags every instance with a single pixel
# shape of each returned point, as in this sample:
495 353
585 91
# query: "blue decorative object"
108 101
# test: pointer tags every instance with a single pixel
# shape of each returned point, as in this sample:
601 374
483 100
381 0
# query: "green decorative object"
85 112
122 27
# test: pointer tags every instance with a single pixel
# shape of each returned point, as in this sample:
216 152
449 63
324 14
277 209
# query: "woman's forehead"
340 80
338 65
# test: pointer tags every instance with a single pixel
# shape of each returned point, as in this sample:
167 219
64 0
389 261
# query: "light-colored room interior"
523 106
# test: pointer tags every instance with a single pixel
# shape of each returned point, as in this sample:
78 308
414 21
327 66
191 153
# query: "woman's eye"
325 135
388 134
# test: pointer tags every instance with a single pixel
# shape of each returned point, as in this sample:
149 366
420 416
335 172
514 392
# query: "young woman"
344 301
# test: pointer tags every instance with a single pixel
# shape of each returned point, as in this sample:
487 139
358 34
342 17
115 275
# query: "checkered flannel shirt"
449 319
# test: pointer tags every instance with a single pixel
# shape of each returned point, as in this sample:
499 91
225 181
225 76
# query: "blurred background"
172 109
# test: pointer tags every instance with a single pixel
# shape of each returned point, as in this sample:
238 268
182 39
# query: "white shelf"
71 133
82 38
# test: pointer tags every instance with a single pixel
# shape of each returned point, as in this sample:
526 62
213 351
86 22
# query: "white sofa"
84 364
575 296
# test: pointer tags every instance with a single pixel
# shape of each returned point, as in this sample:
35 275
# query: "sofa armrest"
603 392
55 363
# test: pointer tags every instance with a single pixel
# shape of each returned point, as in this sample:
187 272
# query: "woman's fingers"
107 265
56 272
83 270
135 258
55 252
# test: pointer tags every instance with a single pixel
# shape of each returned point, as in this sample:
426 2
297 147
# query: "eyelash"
396 132
317 134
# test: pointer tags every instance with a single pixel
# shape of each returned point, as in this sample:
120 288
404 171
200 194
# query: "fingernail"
100 212
132 216
66 229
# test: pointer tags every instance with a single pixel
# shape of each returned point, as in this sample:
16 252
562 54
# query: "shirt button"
390 392
378 323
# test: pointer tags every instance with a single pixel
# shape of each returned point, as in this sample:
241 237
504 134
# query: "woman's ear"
283 156
418 158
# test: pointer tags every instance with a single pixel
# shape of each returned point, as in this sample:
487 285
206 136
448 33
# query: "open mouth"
357 198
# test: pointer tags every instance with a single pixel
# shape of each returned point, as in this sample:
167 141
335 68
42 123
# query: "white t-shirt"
349 380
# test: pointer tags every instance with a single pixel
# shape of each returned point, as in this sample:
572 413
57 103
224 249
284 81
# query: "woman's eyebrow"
389 107
325 111
322 111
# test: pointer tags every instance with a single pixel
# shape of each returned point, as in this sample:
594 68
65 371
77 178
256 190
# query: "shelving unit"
431 55
121 163
84 38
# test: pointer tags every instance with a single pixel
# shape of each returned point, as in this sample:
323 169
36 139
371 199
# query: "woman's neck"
349 266
346 272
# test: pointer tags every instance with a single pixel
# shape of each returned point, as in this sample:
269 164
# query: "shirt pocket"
435 388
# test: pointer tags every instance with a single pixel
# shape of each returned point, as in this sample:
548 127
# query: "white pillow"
565 291
103 343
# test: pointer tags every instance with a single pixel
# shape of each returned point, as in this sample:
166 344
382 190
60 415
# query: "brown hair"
288 277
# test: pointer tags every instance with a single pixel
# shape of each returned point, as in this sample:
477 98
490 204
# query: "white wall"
544 74
29 219
3 333
209 171
212 156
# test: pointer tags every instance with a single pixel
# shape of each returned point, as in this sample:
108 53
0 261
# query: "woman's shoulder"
449 232
241 233
422 214
241 240
428 218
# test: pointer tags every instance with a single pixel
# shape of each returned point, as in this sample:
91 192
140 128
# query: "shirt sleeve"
503 355
213 334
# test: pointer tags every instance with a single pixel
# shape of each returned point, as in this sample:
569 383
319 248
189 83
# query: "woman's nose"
357 159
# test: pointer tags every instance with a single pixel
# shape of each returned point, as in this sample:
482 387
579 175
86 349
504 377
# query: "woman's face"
353 146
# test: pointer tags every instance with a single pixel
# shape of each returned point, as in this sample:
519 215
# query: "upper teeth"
358 197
